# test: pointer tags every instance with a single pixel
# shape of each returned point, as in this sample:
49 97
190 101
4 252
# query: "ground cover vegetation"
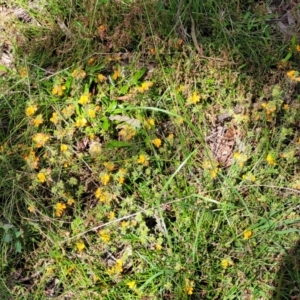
149 150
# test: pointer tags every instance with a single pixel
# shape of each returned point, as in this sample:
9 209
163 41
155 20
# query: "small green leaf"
18 246
6 227
112 106
7 238
18 233
69 83
105 123
289 55
3 68
124 90
294 41
117 144
138 75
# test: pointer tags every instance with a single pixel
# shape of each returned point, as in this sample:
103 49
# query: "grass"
109 185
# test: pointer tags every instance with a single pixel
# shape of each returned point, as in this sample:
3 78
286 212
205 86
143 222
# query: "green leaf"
105 123
69 83
7 238
18 233
294 41
124 89
6 227
3 68
138 75
112 106
117 144
18 246
289 55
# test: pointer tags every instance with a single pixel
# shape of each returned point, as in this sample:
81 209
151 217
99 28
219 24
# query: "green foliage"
112 179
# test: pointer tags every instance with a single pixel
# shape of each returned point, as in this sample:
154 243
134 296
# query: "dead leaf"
125 97
130 121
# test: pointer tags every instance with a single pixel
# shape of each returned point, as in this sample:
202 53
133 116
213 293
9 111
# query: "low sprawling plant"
109 185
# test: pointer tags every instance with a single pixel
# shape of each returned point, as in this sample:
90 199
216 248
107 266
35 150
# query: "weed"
135 166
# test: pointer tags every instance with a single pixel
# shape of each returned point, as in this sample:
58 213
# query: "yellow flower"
109 166
41 177
117 268
225 263
101 195
145 86
81 122
105 179
296 185
23 72
59 209
58 90
102 29
214 172
54 118
68 111
247 234
70 201
116 74
127 132
105 237
189 286
32 160
298 48
271 159
158 246
249 177
40 139
31 208
78 73
152 51
293 75
240 158
38 120
194 98
80 246
98 193
111 215
180 88
101 78
156 142
91 113
124 224
84 99
131 285
150 123
180 121
91 61
30 110
63 147
121 180
143 160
